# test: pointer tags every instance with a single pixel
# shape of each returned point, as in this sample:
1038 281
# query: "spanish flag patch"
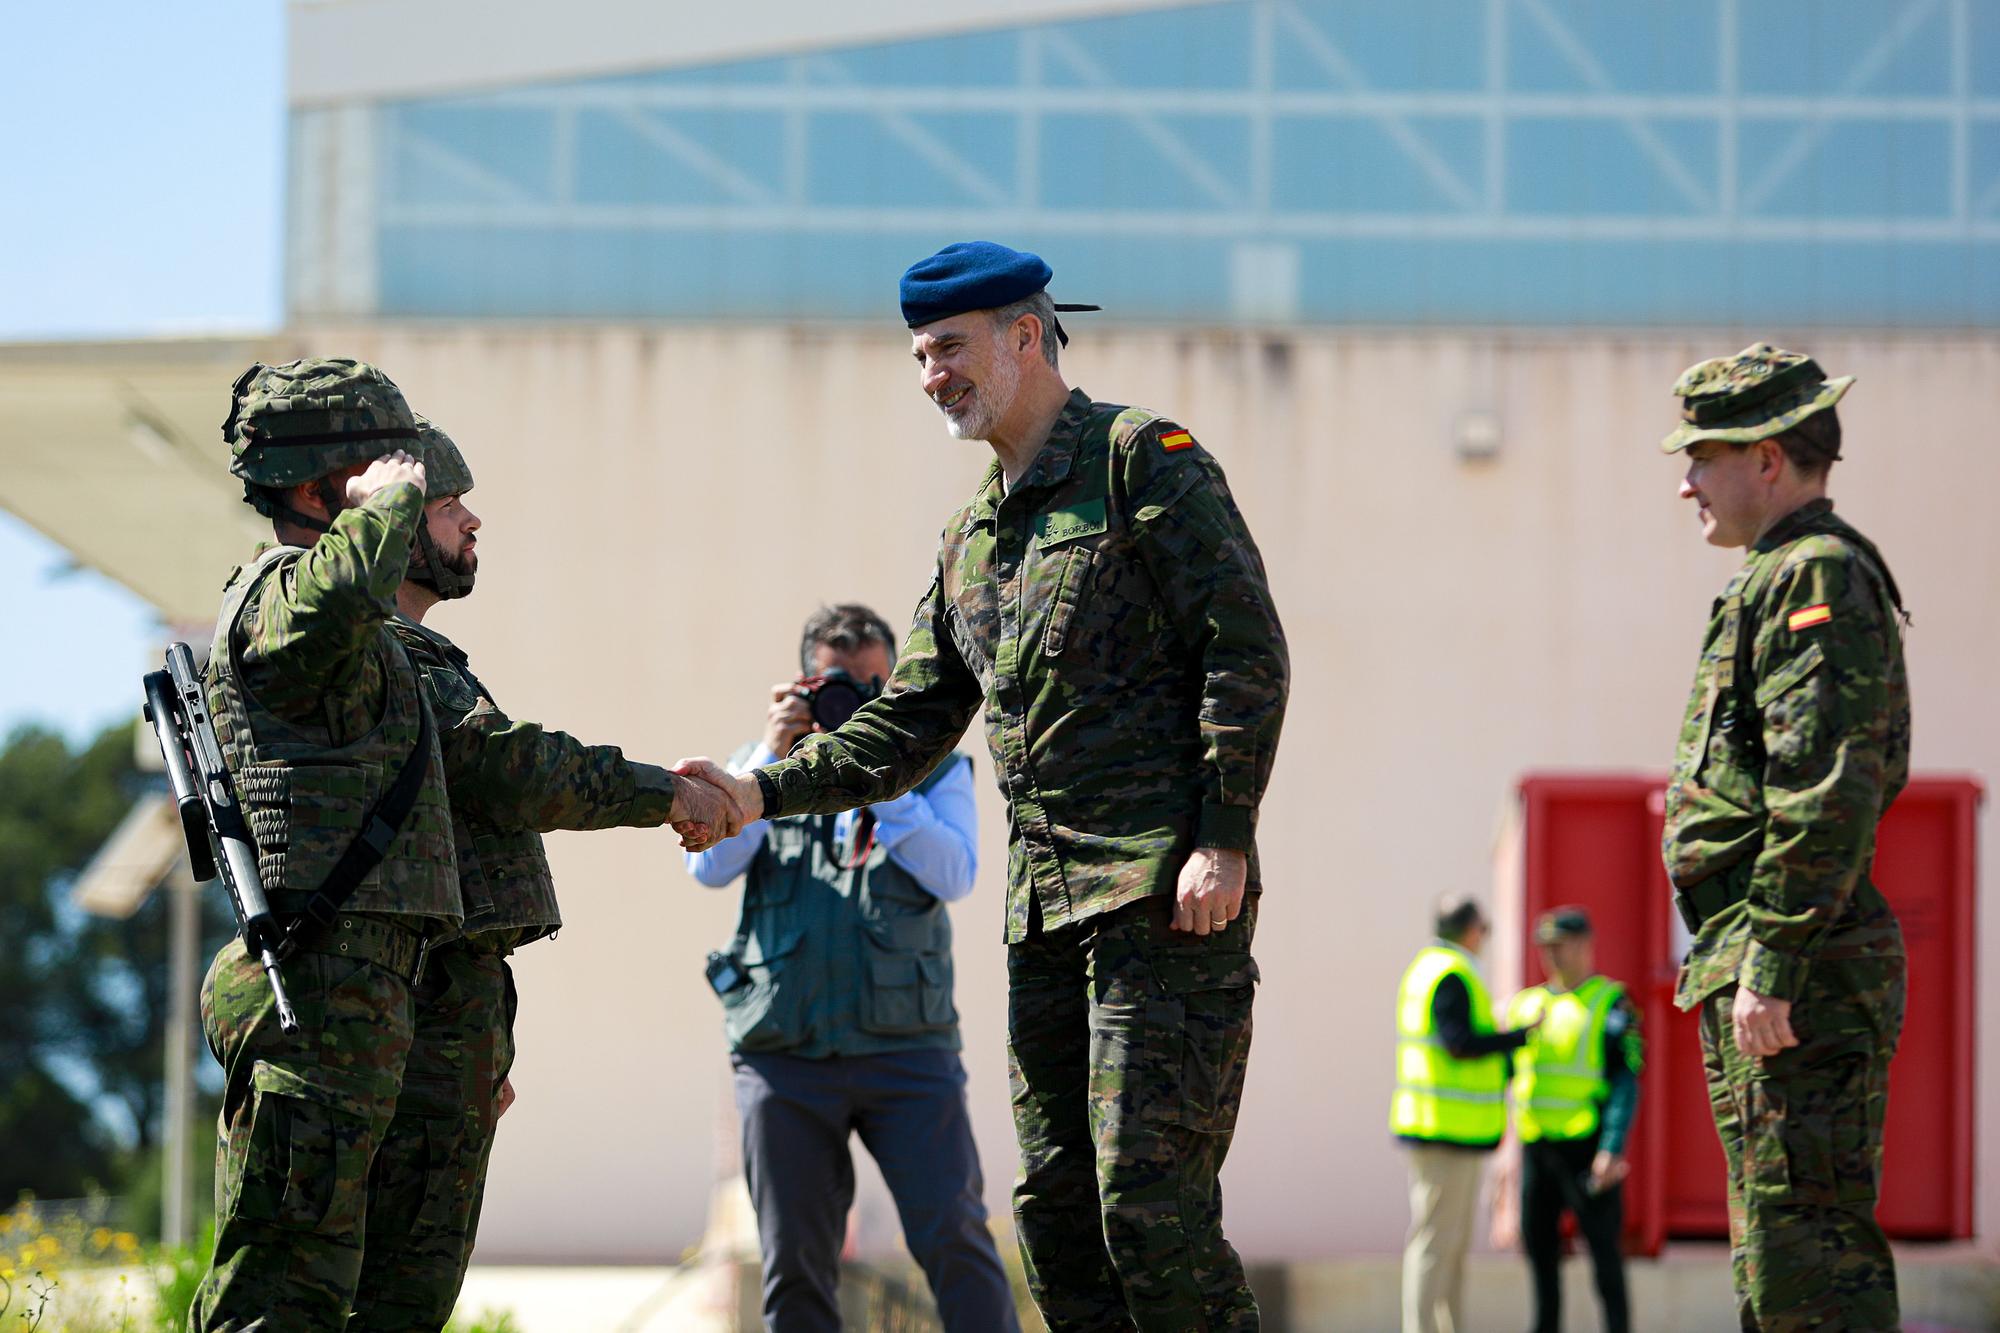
1175 439
1806 619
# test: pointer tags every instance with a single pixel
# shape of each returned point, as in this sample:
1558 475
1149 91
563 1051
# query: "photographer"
837 1002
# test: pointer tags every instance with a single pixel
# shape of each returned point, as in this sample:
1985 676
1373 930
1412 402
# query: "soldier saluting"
1797 738
335 756
320 715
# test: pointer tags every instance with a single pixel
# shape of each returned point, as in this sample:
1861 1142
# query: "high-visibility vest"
1559 1083
1439 1097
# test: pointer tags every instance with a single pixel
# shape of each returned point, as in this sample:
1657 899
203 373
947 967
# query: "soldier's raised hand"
383 473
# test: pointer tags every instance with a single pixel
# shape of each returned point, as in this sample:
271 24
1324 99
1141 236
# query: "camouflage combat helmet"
1759 392
309 418
445 473
445 469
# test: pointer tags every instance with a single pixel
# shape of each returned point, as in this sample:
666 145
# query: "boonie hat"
1759 392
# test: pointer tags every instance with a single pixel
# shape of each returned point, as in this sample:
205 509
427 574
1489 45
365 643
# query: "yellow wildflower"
126 1243
100 1239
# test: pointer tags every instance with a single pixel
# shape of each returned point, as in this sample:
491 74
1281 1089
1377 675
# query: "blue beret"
970 275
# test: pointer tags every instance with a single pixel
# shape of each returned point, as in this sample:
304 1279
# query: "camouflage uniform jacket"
318 708
1796 740
1111 611
510 782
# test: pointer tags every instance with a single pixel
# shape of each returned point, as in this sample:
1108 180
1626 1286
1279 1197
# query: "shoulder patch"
1173 440
1808 617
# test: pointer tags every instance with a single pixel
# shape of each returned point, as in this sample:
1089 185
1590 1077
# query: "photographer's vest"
306 800
845 953
1559 1083
503 874
1439 1097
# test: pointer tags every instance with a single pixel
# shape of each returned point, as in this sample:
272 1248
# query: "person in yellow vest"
1449 1108
1576 1091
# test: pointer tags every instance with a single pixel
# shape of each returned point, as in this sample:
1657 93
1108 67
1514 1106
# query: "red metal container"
1594 840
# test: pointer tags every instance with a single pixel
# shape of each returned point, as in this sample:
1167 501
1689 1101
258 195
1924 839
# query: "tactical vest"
845 952
1440 1098
307 799
1559 1083
510 893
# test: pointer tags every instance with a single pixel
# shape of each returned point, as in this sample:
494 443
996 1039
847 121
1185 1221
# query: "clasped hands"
712 804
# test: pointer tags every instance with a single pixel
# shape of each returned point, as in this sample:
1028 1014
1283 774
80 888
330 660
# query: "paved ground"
1947 1289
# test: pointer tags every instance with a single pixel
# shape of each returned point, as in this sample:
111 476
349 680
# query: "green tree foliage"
86 997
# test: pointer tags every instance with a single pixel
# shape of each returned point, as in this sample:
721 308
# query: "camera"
833 696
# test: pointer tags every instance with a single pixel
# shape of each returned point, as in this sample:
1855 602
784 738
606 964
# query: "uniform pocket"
907 993
1072 593
304 1160
758 1015
1198 1040
305 816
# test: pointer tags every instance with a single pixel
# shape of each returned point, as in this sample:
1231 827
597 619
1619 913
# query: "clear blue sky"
143 162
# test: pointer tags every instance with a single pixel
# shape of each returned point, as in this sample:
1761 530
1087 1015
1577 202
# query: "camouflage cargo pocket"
1198 1039
418 1177
1806 1139
304 1160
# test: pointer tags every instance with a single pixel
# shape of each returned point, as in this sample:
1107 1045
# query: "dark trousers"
1127 1044
908 1107
1556 1176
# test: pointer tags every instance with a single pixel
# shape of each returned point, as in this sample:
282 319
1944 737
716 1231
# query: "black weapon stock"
218 839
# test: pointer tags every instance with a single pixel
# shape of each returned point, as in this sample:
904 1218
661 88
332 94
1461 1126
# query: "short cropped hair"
844 628
1043 307
1456 914
1814 444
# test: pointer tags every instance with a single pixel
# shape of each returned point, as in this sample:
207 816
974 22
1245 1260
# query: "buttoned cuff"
1229 827
1774 975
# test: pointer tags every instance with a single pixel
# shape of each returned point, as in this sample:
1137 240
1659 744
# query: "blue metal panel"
1781 162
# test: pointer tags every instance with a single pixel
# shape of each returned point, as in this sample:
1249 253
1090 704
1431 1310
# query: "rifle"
218 839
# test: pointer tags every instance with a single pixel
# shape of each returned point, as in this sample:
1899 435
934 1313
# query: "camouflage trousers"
1127 1043
1803 1134
430 1172
317 1182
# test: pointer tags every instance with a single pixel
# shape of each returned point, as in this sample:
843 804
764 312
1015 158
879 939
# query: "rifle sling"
366 852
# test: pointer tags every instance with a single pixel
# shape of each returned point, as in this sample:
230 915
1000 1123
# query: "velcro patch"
1806 619
1176 439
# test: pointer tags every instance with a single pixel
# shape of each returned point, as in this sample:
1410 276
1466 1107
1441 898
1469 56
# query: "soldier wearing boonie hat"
1795 741
1576 1094
1102 597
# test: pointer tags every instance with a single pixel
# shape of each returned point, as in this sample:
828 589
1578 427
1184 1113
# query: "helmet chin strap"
329 496
428 569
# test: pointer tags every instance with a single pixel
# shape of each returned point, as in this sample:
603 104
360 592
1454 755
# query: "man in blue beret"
1101 596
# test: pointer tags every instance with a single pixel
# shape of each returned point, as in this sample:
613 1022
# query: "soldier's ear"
1770 459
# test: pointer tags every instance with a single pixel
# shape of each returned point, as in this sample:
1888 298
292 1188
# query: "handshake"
711 804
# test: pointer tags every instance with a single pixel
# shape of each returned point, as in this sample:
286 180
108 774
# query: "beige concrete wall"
664 506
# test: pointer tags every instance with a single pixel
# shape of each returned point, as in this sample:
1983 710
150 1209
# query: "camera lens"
834 702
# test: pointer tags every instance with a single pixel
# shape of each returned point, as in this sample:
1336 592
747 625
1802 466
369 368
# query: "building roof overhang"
364 50
112 450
